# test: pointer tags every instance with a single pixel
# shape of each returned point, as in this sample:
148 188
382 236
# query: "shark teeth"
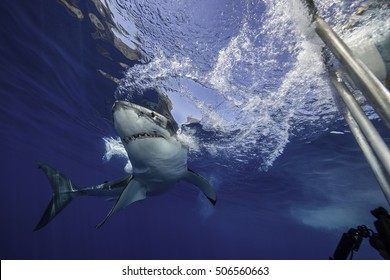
130 138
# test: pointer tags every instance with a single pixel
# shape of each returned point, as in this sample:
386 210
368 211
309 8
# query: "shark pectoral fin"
194 178
133 192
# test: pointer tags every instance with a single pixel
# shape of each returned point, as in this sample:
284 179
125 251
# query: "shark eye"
152 114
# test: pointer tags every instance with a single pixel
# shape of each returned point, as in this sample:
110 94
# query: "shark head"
148 136
133 122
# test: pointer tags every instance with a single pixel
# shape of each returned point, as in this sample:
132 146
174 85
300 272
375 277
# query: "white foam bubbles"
263 84
114 147
328 217
189 140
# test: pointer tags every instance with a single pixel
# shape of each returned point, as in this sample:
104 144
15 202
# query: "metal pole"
376 142
374 91
372 160
373 147
369 140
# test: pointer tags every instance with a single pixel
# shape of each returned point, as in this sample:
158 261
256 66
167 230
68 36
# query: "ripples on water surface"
249 70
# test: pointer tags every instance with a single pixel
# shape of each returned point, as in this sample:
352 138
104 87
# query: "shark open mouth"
138 136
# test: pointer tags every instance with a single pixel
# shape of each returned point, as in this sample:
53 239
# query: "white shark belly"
157 163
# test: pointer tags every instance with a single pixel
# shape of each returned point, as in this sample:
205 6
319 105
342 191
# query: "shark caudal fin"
194 178
64 191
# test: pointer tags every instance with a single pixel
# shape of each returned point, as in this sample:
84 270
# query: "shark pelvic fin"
64 191
133 192
194 178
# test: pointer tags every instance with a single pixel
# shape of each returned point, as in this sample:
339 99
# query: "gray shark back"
164 107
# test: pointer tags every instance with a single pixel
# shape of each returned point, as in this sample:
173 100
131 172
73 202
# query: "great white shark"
158 158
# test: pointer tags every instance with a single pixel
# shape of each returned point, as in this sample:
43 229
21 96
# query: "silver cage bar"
373 146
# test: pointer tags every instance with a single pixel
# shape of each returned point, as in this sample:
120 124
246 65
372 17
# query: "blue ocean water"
289 175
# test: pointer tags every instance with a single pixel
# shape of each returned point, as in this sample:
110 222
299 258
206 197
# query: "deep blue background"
56 107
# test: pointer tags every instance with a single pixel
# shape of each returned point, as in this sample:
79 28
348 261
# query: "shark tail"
64 191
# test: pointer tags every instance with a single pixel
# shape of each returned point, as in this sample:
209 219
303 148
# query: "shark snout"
119 105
